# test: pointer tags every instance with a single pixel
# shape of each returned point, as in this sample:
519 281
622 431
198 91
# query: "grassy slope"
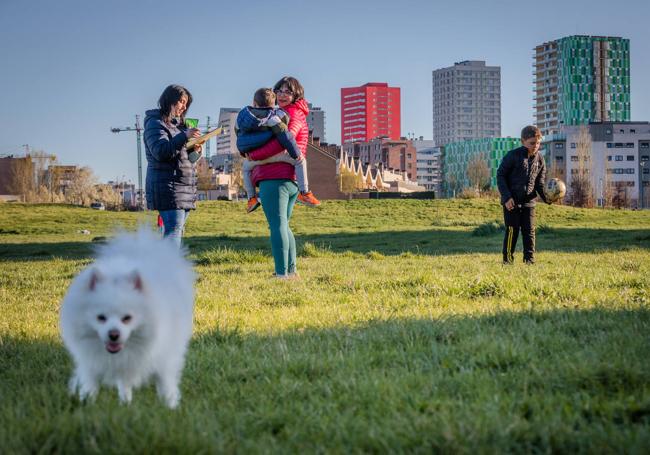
404 333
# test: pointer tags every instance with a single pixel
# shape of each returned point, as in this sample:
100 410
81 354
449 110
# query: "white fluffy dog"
127 318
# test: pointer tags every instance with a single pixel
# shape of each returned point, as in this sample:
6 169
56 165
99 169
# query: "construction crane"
138 130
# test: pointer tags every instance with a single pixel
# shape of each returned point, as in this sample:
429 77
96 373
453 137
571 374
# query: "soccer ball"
555 190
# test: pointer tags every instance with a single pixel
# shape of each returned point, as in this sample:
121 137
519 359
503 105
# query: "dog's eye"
126 319
101 318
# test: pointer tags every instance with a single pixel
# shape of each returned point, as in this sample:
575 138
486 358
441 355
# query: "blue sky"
73 69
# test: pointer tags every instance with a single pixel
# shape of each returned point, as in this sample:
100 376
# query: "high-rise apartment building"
466 102
579 79
227 142
316 122
370 111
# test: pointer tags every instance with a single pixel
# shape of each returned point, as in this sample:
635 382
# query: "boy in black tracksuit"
521 178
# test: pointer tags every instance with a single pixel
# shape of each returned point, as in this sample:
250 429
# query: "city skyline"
80 69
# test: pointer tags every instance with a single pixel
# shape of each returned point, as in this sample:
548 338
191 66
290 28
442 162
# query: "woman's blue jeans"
174 223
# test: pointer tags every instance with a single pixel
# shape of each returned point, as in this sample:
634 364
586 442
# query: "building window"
632 131
573 145
644 145
609 145
574 158
559 145
630 158
609 157
619 158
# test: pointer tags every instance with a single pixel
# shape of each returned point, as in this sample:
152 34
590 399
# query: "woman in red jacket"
277 181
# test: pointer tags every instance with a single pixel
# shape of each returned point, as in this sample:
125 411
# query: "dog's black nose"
114 334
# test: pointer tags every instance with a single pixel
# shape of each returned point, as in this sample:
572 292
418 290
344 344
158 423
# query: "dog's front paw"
173 399
88 392
125 393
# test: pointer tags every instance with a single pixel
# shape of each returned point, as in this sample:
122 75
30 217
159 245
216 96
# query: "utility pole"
207 144
138 131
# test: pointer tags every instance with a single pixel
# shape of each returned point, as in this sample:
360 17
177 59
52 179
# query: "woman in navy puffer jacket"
171 177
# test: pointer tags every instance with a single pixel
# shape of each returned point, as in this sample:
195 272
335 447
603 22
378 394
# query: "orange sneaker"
253 204
308 199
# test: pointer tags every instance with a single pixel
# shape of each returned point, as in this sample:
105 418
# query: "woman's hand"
192 132
198 148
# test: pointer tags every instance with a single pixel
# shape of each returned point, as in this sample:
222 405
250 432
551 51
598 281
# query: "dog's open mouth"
113 347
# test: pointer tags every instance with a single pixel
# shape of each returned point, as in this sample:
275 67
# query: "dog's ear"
95 277
136 280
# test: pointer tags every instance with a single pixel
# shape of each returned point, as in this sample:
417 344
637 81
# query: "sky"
73 69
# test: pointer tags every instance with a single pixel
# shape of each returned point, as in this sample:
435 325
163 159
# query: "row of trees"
36 180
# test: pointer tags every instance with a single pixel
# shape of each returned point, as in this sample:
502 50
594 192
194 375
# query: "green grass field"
404 334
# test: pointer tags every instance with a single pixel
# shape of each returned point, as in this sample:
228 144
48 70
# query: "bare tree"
581 184
349 182
109 196
82 189
22 177
236 172
478 173
204 176
452 184
608 189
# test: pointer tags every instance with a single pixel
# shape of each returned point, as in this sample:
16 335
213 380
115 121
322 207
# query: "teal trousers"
278 198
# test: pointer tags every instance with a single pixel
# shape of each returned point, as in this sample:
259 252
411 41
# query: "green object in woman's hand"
192 122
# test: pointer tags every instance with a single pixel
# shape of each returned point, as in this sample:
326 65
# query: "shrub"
488 229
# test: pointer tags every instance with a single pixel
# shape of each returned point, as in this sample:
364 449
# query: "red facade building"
370 111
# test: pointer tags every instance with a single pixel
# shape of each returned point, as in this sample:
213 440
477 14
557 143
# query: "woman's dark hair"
293 85
170 96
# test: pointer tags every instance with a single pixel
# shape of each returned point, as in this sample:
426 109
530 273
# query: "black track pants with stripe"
519 218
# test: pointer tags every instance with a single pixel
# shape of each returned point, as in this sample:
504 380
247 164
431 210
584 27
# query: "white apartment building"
620 157
466 102
227 142
429 164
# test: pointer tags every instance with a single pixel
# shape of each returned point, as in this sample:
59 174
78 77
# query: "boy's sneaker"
253 204
308 199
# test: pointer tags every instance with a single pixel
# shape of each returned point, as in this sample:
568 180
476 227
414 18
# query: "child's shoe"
253 204
308 199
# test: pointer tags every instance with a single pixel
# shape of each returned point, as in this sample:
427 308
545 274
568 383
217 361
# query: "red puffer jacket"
298 127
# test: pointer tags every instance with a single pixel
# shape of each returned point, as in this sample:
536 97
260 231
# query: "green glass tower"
581 79
458 155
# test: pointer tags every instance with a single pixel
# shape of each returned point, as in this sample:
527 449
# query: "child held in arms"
258 124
